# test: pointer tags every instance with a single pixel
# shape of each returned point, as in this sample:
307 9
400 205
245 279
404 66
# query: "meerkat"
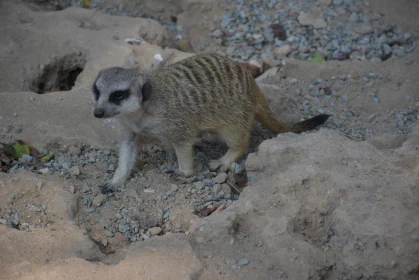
205 93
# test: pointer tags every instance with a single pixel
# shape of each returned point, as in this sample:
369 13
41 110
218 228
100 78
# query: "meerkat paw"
185 172
107 188
218 165
179 173
112 186
224 168
214 165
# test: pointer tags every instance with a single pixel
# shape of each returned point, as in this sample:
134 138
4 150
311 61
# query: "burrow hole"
59 75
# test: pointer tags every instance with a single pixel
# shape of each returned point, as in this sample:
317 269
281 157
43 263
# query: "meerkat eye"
117 96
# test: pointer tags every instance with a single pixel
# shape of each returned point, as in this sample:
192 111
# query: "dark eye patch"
95 92
118 96
146 91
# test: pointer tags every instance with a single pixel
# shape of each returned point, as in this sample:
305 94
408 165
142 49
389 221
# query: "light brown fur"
203 93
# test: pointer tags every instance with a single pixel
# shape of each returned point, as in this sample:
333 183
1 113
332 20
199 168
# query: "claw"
214 165
107 188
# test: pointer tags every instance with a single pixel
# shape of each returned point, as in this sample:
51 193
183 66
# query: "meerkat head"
117 91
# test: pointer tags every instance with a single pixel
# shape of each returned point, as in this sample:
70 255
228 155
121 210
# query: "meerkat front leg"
126 162
184 154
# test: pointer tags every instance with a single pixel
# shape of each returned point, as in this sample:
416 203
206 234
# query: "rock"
337 2
85 188
72 189
123 228
220 178
27 158
407 36
174 187
99 199
283 51
325 2
74 151
218 225
154 231
226 188
307 19
216 189
18 217
67 165
44 170
319 23
217 33
75 171
131 193
243 262
111 167
199 185
387 49
363 29
24 226
399 52
354 17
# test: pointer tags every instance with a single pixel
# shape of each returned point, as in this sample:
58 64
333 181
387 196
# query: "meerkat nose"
99 113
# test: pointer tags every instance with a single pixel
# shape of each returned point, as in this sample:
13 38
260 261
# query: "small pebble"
85 188
199 185
174 188
220 178
27 158
243 262
124 228
154 231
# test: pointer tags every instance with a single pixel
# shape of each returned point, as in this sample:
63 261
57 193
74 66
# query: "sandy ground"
338 203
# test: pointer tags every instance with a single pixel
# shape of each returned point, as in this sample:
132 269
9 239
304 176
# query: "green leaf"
21 149
46 158
318 59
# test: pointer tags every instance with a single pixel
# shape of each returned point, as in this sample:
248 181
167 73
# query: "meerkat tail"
265 116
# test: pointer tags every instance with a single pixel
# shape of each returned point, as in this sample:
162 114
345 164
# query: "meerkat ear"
146 91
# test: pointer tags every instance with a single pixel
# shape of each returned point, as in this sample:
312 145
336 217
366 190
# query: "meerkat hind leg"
184 154
237 142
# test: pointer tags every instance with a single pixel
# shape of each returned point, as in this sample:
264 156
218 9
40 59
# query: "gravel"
305 33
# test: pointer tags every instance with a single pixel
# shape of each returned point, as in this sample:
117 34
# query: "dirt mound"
319 206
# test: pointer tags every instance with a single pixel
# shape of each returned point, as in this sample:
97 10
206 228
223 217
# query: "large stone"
309 19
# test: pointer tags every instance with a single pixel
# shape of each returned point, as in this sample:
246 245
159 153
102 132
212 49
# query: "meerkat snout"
99 113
